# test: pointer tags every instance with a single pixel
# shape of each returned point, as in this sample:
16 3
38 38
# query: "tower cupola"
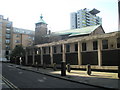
41 21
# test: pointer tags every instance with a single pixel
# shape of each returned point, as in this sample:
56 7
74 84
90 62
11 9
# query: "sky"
56 13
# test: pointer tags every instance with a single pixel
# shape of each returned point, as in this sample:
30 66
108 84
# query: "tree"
16 53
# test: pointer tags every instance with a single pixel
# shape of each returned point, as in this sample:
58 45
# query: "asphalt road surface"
27 79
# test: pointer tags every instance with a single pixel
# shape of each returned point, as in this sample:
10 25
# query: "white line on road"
44 78
41 80
20 72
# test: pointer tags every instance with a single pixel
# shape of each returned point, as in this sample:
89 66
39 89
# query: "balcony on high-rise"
7 41
8 31
8 36
7 47
9 25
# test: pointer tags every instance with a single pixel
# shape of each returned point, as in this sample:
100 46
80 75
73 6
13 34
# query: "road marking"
9 66
10 84
44 78
41 80
10 69
20 72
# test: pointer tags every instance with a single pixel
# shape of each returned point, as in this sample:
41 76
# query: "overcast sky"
56 13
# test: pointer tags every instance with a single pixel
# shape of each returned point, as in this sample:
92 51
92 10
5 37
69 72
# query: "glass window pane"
118 42
55 49
84 47
95 45
67 48
7 41
76 47
17 41
44 50
105 44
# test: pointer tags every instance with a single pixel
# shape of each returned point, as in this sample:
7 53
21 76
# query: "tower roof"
41 21
94 11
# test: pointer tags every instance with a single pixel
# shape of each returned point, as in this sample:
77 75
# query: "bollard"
20 59
54 66
119 65
88 69
68 68
63 69
119 71
37 65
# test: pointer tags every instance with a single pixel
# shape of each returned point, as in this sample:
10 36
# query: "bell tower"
40 31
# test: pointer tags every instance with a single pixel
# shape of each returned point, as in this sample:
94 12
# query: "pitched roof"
80 31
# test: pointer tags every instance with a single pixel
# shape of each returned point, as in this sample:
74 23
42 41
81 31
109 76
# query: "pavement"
105 80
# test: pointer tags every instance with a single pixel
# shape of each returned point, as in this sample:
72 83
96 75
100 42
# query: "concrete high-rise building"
40 31
84 18
6 28
73 20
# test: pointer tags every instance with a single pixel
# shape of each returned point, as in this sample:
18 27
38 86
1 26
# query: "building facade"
6 28
101 51
84 18
119 15
0 41
11 36
73 21
22 37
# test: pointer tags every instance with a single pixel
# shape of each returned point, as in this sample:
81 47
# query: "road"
27 79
